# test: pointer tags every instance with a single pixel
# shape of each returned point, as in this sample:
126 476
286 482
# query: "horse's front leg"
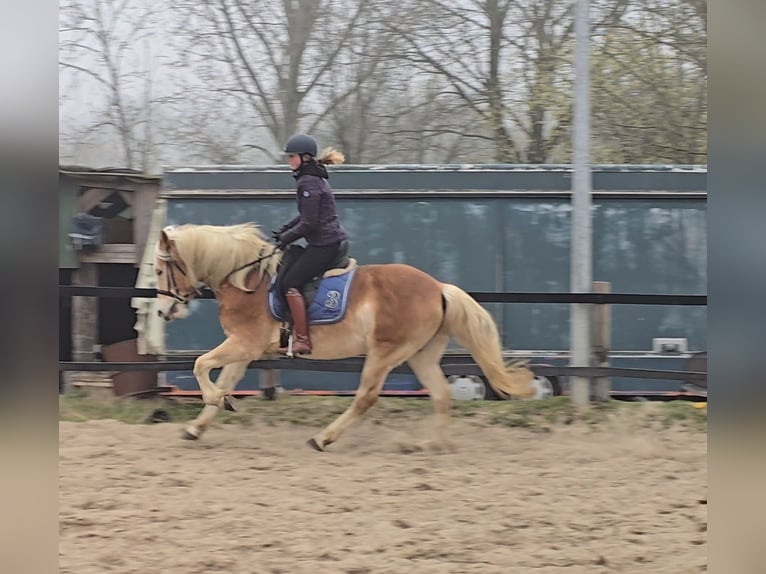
224 354
227 381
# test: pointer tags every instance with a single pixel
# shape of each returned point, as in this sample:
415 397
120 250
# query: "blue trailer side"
485 228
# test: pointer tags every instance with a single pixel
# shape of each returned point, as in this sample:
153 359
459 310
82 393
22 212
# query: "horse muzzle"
176 310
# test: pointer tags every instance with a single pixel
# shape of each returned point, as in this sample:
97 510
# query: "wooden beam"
144 199
84 315
92 197
127 196
602 318
111 253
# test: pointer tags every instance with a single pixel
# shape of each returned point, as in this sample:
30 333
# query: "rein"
253 262
184 298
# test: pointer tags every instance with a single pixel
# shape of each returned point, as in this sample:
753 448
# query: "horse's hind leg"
374 373
426 366
230 375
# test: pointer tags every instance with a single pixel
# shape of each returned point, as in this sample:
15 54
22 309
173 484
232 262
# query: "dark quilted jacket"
317 218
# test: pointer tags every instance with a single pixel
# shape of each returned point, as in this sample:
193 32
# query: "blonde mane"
212 252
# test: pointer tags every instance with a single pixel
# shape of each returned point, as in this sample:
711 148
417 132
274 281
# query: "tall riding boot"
301 341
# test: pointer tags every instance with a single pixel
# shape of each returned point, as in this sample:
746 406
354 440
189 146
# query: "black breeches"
312 262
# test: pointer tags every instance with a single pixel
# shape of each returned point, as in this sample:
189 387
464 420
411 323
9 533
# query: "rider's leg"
312 262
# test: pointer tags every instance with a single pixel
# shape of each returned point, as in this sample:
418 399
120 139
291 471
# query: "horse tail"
474 328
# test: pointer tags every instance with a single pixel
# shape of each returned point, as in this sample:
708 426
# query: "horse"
395 313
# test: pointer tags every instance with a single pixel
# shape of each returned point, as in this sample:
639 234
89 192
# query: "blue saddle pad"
327 306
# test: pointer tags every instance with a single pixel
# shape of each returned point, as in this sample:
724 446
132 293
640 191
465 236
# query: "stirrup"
288 350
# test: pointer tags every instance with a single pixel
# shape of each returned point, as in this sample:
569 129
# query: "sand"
251 500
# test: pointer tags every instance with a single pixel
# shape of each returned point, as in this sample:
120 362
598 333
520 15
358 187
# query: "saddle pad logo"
333 299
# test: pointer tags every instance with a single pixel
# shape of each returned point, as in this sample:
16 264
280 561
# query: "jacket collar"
311 168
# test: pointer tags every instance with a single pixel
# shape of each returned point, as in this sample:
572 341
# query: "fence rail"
480 296
457 364
355 366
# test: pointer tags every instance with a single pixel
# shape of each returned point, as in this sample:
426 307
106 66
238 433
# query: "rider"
317 221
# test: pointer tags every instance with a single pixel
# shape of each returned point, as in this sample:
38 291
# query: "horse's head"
175 284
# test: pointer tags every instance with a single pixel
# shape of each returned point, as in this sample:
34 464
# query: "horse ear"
165 240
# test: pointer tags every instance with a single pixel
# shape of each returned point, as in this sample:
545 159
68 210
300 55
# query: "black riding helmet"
300 144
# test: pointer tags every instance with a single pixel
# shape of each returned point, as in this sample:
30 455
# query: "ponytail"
331 157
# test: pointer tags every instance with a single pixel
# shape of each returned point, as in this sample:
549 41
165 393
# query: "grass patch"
80 406
316 411
678 413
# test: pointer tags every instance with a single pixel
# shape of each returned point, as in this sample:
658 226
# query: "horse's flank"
218 250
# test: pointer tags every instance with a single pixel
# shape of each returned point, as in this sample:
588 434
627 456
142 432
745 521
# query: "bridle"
184 298
173 290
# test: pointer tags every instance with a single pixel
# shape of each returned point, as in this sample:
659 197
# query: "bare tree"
501 58
275 56
424 122
650 84
380 110
412 81
107 45
449 39
201 131
363 79
509 61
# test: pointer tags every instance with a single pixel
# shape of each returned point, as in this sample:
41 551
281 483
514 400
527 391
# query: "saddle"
340 265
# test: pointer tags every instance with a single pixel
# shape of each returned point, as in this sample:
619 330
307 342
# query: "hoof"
270 393
158 416
313 444
228 404
189 436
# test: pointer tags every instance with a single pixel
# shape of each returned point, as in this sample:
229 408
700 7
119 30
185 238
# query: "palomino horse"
395 313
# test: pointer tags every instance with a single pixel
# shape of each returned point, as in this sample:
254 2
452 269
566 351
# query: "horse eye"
159 272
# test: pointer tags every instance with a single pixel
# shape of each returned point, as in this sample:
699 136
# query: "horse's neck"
213 277
210 278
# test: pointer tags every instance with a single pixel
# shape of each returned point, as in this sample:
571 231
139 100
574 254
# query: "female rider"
317 222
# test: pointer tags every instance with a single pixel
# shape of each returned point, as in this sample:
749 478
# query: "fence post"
602 318
268 381
85 327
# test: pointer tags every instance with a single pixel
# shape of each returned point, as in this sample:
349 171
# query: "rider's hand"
278 240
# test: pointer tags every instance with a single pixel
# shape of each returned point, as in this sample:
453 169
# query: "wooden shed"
119 204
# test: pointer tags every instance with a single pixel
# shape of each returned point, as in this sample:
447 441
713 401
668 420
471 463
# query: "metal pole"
581 267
